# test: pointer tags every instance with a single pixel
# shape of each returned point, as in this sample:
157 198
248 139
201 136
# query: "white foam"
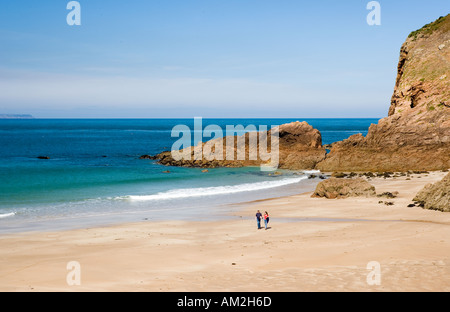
218 190
6 215
311 171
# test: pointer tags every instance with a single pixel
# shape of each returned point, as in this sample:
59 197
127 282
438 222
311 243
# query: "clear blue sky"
208 58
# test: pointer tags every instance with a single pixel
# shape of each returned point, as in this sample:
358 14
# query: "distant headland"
16 116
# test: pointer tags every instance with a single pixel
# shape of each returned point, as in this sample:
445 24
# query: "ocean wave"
6 215
211 191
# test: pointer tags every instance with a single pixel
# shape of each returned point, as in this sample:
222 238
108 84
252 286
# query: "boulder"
388 194
147 157
435 196
342 188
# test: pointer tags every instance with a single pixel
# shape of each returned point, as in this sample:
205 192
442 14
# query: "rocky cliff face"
300 147
416 133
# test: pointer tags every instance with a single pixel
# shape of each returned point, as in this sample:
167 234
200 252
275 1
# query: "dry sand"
298 253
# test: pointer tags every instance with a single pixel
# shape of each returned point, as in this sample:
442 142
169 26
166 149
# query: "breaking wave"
217 190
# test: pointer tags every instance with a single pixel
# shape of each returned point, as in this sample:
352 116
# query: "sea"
94 175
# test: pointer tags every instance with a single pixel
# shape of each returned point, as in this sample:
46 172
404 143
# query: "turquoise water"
94 174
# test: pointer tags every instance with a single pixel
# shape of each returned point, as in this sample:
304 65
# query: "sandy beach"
312 245
139 140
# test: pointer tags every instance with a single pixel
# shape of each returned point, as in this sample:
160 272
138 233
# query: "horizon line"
30 118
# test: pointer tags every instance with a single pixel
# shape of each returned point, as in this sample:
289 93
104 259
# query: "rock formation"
342 188
435 196
414 136
300 147
416 133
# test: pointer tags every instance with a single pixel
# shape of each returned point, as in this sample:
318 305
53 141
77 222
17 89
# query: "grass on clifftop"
428 29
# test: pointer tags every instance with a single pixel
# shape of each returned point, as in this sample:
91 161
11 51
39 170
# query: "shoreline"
411 245
209 207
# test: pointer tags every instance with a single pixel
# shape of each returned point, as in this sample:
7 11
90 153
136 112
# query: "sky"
204 58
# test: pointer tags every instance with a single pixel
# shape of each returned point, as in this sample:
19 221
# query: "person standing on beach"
266 219
258 219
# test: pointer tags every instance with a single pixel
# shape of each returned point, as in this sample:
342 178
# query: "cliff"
416 133
414 136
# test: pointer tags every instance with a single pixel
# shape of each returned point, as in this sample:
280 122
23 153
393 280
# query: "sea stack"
416 133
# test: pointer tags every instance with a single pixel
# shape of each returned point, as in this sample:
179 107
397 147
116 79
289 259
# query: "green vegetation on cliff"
428 29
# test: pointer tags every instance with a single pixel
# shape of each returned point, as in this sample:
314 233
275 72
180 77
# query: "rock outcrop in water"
416 133
435 196
300 147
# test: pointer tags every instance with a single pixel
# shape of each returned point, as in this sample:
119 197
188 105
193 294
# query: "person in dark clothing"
258 219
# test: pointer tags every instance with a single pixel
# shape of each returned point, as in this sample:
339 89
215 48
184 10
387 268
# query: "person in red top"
266 219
